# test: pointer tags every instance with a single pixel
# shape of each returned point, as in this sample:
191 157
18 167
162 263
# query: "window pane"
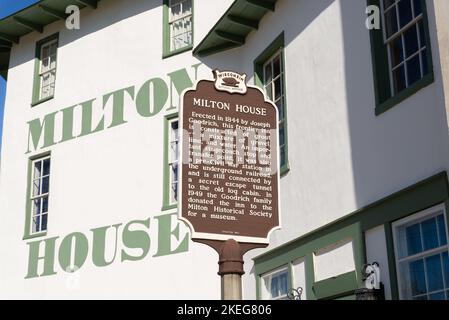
174 192
442 230
45 64
173 151
437 296
281 136
399 79
279 285
420 298
174 170
174 128
283 156
284 284
45 204
413 70
434 273
37 169
187 6
388 3
45 51
46 167
52 63
181 33
411 41
277 88
391 22
277 65
417 278
429 234
44 222
268 73
405 12
269 90
36 187
36 207
45 184
418 7
413 238
36 224
53 48
396 51
422 35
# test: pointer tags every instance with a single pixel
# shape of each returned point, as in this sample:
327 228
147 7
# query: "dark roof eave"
241 14
19 24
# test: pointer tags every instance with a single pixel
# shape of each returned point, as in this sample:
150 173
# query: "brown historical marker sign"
229 164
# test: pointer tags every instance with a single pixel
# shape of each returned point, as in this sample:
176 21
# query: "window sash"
408 259
173 157
47 68
180 25
400 33
183 13
36 218
269 82
272 275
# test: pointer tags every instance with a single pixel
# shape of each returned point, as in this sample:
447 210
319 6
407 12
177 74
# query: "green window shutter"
380 62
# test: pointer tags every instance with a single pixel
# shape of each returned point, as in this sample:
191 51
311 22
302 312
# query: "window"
178 26
401 51
171 162
275 285
45 69
38 196
421 251
270 75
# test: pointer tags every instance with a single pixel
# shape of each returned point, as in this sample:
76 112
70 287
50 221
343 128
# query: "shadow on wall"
400 147
108 13
306 12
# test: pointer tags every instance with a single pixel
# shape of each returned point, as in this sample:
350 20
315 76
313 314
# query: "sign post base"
230 262
231 270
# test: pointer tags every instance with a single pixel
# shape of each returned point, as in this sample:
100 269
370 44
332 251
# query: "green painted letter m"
35 129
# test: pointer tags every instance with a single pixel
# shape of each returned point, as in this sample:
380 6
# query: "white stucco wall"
110 177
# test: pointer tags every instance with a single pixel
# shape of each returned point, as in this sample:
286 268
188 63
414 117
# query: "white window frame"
417 218
172 21
271 83
40 196
171 162
49 70
388 40
278 271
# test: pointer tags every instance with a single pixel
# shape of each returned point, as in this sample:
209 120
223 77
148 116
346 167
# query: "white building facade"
88 180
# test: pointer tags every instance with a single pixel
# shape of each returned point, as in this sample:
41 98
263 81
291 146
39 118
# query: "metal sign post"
228 169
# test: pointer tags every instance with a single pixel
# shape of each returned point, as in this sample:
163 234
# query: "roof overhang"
32 18
242 17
